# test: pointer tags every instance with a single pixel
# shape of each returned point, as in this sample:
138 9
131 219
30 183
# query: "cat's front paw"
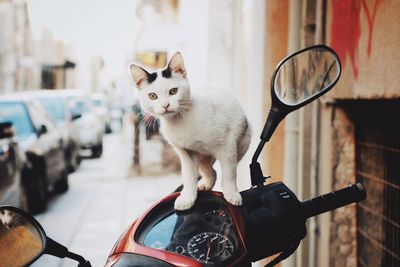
233 197
184 202
205 184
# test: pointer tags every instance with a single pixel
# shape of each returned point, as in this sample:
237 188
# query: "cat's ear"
139 74
176 65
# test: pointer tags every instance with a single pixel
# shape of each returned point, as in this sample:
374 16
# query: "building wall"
17 64
366 36
21 57
7 62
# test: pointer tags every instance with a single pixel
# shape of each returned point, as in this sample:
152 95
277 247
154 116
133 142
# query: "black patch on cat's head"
166 73
151 77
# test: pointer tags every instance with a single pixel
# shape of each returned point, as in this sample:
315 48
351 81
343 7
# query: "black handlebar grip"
352 193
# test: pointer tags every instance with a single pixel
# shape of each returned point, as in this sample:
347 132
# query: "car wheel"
37 196
74 163
62 185
97 151
108 128
78 159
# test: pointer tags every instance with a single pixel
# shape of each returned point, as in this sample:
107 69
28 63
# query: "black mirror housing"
299 79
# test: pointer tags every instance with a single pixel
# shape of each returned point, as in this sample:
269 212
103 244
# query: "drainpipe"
291 160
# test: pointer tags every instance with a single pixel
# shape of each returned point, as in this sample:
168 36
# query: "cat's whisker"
179 114
139 125
148 123
151 125
182 113
185 104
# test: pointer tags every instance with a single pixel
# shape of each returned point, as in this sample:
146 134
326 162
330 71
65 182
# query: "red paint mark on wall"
370 20
346 29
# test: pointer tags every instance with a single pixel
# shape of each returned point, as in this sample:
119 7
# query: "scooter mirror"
305 76
22 239
299 79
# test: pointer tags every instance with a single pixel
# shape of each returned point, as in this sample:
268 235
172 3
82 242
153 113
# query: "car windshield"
16 113
54 107
78 106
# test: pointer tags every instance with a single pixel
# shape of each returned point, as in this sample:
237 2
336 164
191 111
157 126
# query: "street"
103 199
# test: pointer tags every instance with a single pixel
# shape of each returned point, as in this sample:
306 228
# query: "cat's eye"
153 96
173 91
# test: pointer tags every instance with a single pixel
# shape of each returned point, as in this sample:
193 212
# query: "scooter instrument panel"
206 232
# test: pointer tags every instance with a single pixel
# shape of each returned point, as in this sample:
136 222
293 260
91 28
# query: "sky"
91 27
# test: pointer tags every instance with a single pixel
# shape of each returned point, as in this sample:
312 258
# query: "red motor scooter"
213 232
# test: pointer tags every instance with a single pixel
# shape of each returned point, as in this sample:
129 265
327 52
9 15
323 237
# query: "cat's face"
165 93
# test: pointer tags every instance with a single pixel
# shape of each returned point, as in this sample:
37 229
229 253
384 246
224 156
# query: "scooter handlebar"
318 205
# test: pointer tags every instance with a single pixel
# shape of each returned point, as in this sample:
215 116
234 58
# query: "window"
54 107
16 113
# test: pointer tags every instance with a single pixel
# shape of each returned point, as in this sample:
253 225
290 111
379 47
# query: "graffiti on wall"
346 28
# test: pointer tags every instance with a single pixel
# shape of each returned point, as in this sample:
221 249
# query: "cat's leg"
208 174
228 161
189 165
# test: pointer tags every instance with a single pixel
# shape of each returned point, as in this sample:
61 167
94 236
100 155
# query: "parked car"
40 142
102 108
89 125
58 110
11 190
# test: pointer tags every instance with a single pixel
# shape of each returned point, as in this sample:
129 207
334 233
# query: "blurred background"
77 151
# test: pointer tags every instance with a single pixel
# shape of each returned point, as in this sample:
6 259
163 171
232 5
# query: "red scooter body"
214 233
146 246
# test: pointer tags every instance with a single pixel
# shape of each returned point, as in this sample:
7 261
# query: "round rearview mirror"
306 75
299 79
22 239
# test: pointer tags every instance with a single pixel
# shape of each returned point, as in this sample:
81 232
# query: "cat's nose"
166 106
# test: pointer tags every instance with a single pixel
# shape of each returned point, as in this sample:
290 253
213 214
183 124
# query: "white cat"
201 128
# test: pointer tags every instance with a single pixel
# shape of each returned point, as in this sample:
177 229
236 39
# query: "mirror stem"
257 177
56 249
275 116
258 151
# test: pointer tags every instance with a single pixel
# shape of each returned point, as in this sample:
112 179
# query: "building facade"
16 51
26 63
349 136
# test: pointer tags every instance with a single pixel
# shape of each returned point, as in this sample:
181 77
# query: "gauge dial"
209 247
